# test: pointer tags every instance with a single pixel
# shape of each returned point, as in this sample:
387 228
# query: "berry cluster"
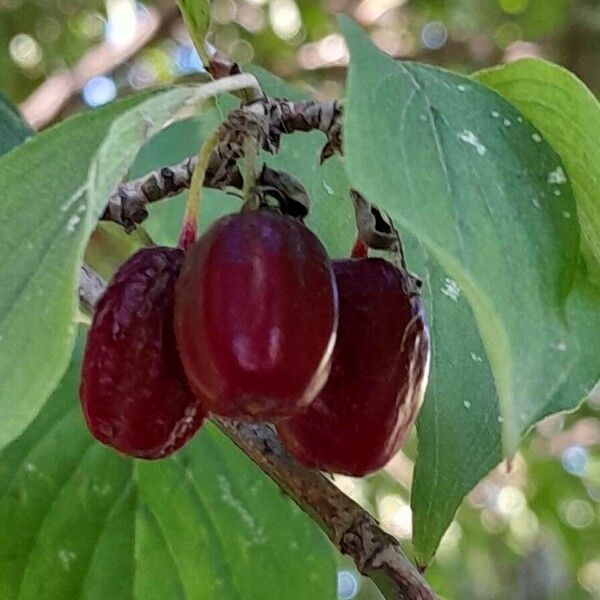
255 322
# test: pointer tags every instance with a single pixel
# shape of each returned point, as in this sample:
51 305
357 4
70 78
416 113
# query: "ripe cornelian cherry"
134 393
256 316
378 375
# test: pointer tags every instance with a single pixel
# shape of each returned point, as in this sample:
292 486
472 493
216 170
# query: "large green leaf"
484 198
54 189
490 226
568 115
43 227
80 521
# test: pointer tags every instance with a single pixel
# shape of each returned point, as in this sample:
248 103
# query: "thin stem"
189 229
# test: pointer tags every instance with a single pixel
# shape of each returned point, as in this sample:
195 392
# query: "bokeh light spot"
434 35
99 90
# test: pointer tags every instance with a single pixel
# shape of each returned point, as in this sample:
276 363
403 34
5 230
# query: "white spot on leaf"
536 137
476 357
495 114
73 222
557 176
506 123
467 404
451 289
468 137
244 514
66 558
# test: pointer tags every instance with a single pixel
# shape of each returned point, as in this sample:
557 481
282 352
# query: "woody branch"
265 120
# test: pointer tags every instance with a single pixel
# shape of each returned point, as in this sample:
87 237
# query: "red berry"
378 375
255 316
133 389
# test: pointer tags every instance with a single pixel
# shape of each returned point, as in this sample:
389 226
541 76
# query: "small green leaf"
44 228
13 130
81 521
196 14
109 247
567 114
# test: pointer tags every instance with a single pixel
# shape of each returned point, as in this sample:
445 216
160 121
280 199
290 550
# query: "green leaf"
484 198
109 247
497 245
567 114
13 130
81 521
129 133
196 14
458 429
43 227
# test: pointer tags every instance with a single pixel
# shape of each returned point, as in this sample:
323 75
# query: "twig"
42 106
265 120
353 531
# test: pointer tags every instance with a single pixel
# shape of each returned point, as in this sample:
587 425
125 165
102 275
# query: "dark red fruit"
133 390
256 315
378 375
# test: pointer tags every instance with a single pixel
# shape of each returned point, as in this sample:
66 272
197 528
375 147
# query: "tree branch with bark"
264 120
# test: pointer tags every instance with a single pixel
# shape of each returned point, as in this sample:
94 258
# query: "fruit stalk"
189 229
353 530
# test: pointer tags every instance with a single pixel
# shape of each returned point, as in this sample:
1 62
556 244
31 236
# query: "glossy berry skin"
133 390
256 316
378 376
